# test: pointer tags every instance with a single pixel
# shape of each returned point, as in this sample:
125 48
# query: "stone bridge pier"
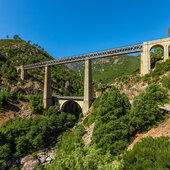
47 97
88 91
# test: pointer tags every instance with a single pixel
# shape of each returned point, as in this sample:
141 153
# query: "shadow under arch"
71 107
19 71
156 54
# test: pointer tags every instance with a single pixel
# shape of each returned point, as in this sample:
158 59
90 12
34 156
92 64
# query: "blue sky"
70 27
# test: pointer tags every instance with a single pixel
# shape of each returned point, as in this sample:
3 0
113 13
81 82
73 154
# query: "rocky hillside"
15 52
15 102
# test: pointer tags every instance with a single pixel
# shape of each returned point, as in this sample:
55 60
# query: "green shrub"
83 159
51 110
112 129
79 130
4 95
68 142
90 119
138 78
24 135
18 96
150 154
160 68
166 81
147 77
80 117
36 102
71 154
145 112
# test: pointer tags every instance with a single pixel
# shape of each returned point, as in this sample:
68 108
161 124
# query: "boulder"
26 159
31 165
43 159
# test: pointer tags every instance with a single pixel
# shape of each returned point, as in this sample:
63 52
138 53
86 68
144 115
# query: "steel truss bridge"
93 55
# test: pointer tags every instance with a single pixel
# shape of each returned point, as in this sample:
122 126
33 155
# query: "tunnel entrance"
72 107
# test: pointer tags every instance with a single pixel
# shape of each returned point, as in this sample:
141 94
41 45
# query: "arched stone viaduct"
86 101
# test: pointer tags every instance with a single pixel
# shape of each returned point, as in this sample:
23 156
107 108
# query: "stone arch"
154 60
145 55
19 71
22 72
71 106
156 45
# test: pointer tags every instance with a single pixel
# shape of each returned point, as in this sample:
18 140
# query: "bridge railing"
94 55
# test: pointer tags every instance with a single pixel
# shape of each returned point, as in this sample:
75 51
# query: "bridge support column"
47 98
145 60
88 92
24 74
166 52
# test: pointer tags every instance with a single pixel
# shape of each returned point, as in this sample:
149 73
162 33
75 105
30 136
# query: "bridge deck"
80 98
94 55
70 98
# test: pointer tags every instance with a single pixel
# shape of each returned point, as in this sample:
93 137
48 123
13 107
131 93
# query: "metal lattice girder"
94 55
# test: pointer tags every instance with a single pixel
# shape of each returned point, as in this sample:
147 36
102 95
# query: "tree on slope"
112 130
145 112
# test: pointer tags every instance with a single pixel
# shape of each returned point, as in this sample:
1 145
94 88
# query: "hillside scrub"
17 52
150 154
166 81
117 66
160 68
112 131
4 95
27 135
72 154
116 123
36 102
145 112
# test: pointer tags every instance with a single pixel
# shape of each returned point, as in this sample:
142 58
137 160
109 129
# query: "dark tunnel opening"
72 108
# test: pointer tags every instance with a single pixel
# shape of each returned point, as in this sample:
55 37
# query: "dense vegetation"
112 130
115 67
36 102
155 75
115 125
4 95
145 112
116 121
149 154
27 135
16 52
107 69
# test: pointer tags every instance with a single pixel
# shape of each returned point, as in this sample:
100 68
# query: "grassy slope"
106 70
115 67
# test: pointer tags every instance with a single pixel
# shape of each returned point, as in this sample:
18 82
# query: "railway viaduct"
86 101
